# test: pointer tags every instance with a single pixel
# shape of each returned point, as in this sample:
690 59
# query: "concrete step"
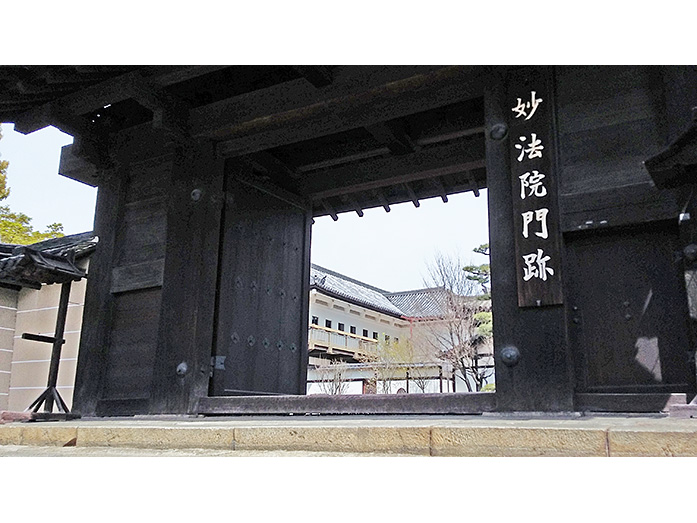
486 435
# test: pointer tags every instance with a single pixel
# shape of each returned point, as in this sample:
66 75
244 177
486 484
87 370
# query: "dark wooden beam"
77 168
330 210
227 118
441 189
267 162
539 333
182 359
272 189
318 75
455 403
369 199
473 183
99 302
382 172
383 201
107 92
341 160
169 112
412 195
655 402
393 136
353 110
613 207
353 203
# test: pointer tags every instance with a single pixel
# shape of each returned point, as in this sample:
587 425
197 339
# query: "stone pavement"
484 435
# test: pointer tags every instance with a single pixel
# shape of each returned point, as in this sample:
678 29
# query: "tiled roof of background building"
352 290
419 303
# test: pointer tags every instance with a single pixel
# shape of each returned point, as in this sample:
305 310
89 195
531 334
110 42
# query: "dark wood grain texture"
541 380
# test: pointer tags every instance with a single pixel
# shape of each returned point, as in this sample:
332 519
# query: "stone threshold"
571 435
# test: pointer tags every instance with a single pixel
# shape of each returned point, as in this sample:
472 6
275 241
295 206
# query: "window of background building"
341 326
375 335
328 324
365 333
387 338
352 329
315 320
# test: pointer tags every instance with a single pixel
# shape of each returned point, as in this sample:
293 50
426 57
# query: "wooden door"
263 296
628 318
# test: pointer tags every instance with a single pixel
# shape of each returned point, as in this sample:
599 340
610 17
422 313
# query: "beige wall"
8 311
36 313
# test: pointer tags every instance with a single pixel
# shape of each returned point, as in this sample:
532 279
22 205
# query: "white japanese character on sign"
533 181
527 109
536 266
540 216
534 150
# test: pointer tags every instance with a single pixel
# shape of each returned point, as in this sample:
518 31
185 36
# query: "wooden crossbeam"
473 184
356 110
412 194
441 189
339 160
330 210
273 190
107 92
169 112
305 116
428 163
393 136
353 203
381 198
317 75
271 164
232 117
370 200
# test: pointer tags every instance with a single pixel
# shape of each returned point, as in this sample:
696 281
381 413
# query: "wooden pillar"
99 301
186 326
540 380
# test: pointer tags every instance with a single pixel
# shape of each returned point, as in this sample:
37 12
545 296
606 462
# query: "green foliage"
15 227
485 324
489 387
480 273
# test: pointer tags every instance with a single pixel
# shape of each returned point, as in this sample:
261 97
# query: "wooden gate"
263 297
628 322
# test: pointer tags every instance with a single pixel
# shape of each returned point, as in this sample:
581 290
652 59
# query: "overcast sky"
388 250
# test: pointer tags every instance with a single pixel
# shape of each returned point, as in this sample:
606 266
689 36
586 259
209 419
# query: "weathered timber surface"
382 172
394 100
99 302
541 379
456 403
628 310
263 292
627 402
610 120
137 276
618 206
132 344
77 168
185 331
226 118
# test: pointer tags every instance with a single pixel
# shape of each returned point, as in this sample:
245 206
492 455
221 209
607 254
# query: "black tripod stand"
51 394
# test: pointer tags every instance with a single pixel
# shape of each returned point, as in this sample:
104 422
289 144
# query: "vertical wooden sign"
534 181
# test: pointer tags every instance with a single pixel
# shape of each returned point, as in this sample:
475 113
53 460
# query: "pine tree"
15 227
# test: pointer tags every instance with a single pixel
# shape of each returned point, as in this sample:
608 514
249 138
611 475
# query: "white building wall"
341 312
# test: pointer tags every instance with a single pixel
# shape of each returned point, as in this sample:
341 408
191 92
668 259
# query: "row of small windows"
352 329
